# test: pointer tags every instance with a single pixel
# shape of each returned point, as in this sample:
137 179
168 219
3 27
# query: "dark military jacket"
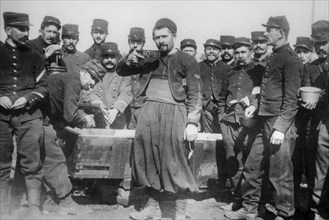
94 52
64 95
239 83
22 74
183 76
212 76
40 45
74 61
137 102
279 89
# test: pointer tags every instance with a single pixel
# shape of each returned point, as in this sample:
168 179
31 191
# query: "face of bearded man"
18 34
50 34
70 41
227 53
259 47
322 49
109 61
243 55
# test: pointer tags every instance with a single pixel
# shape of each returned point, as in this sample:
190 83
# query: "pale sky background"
199 20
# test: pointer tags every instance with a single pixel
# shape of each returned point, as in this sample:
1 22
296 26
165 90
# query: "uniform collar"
68 52
96 46
281 48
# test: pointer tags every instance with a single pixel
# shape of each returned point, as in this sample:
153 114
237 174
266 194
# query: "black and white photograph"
164 109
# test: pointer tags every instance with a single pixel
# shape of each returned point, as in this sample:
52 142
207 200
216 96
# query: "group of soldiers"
245 88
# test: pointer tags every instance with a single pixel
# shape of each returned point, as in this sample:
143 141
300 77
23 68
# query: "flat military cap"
95 69
16 19
304 42
187 43
166 22
100 24
227 40
257 35
51 20
109 48
320 31
70 29
213 43
241 41
136 33
278 22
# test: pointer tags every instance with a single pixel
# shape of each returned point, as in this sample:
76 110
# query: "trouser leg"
253 173
29 143
320 196
56 173
281 169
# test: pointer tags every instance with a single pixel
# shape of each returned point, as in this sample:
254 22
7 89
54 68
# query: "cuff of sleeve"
120 105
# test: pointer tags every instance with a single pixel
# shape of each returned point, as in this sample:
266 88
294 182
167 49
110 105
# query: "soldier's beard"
21 42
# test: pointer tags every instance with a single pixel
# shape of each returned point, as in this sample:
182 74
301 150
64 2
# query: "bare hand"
309 105
249 112
5 102
134 58
51 49
111 115
245 101
277 137
191 132
90 121
20 103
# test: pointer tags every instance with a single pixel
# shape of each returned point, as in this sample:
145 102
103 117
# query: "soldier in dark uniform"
64 96
99 32
56 173
320 195
136 41
227 55
169 115
277 109
213 71
242 136
73 58
22 87
307 121
188 46
47 44
260 48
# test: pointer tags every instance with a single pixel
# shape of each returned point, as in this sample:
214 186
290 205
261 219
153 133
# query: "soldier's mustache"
23 39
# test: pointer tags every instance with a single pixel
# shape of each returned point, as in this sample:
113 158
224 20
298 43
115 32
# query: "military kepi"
100 24
109 48
16 19
278 22
212 43
70 29
227 40
320 31
258 36
166 22
47 20
187 43
304 42
242 41
136 33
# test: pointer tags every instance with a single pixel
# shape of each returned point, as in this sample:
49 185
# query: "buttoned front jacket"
279 89
239 83
22 74
184 80
114 92
74 61
212 76
94 52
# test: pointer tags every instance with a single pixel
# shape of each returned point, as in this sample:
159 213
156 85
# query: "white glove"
191 132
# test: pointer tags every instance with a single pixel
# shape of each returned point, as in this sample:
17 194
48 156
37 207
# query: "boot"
67 206
34 200
151 211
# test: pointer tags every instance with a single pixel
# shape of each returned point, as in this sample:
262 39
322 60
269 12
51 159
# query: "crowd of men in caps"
246 88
